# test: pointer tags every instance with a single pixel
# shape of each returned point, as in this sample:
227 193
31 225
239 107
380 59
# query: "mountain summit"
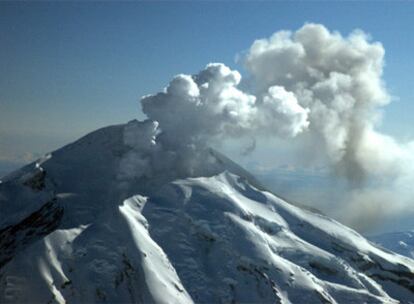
103 220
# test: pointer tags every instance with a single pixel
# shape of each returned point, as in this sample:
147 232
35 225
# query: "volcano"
75 228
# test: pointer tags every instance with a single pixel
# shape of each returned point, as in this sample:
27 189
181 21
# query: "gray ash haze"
319 88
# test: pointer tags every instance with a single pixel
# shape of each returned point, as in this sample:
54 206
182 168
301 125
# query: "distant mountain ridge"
399 242
73 230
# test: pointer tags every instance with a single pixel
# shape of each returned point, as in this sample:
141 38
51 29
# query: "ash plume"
339 79
209 105
311 84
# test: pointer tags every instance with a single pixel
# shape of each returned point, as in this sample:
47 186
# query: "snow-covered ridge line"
145 238
286 230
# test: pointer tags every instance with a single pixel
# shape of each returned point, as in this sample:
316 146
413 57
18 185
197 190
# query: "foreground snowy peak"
89 226
257 248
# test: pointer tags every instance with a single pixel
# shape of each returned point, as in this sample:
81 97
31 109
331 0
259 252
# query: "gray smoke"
339 79
312 84
193 110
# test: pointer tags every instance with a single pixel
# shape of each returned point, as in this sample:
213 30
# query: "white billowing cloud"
195 109
318 86
280 111
338 78
191 113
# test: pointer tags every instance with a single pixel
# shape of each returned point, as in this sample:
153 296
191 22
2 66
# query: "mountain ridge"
401 242
87 233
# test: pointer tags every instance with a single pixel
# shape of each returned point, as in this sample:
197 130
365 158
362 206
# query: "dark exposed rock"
37 181
13 238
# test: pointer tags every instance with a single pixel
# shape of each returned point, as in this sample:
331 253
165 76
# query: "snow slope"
72 230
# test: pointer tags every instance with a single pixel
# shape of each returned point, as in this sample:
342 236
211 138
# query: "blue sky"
69 68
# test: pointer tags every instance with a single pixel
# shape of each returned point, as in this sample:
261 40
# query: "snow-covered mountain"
400 242
73 229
